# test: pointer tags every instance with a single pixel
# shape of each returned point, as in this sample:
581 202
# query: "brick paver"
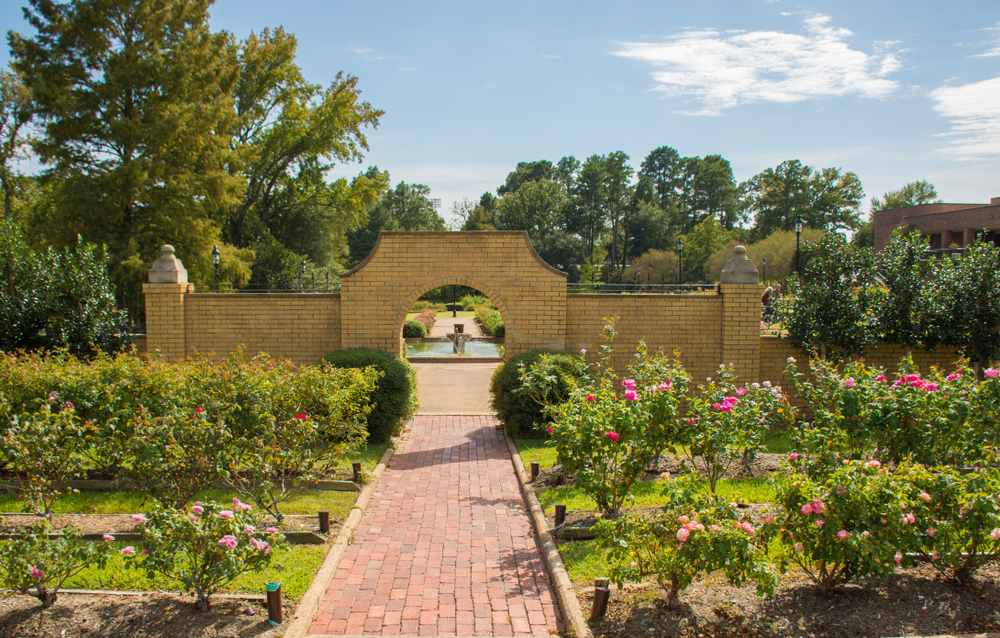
446 546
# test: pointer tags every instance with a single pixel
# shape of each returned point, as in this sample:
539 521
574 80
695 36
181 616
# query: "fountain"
458 338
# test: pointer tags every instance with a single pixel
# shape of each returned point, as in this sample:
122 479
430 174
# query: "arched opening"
478 286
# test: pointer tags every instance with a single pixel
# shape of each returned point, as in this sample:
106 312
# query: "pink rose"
741 391
818 507
683 520
898 558
139 518
664 386
925 497
228 541
550 430
225 514
931 532
991 373
613 436
272 530
807 509
628 384
934 556
798 546
793 456
198 509
910 519
630 395
874 464
249 529
880 377
300 417
849 382
127 551
930 387
995 534
682 534
590 397
818 522
108 538
36 573
842 534
748 528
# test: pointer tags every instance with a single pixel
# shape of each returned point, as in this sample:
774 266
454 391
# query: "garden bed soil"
123 523
915 602
152 615
762 466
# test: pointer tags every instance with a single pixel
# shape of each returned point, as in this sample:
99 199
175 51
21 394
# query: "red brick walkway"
446 546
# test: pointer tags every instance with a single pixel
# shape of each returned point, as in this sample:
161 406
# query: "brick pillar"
741 312
165 292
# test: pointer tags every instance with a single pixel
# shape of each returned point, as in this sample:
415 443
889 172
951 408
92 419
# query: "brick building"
949 227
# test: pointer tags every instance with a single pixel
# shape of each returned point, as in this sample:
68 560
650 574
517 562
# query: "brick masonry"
445 548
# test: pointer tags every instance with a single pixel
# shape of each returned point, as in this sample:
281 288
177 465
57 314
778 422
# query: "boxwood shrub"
414 329
520 413
394 400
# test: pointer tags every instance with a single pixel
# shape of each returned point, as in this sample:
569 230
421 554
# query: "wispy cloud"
974 111
722 71
370 54
995 51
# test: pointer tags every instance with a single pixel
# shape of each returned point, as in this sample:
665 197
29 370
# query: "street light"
765 271
680 258
798 233
302 271
216 258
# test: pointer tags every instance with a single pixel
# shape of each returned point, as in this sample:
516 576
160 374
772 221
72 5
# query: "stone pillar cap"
739 269
167 269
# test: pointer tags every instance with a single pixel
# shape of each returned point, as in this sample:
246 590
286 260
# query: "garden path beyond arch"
529 293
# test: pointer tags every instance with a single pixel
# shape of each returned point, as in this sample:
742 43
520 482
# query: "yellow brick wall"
298 327
689 323
165 329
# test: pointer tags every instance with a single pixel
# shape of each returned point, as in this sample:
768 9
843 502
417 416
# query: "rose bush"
34 560
693 535
204 548
608 431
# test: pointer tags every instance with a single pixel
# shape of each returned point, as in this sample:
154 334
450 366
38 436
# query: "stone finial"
167 269
739 269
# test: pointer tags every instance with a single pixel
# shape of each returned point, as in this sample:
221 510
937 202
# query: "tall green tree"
537 207
15 113
287 135
134 101
912 194
524 173
405 207
826 199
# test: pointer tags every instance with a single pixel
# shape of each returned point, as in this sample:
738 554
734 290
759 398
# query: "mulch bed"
147 616
915 602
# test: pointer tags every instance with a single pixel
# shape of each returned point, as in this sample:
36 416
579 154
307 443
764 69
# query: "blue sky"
893 90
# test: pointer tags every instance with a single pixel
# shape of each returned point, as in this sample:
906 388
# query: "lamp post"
454 301
765 271
216 258
302 271
680 258
798 233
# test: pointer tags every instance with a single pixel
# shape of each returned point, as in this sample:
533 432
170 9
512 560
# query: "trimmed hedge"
414 329
394 400
422 305
520 413
471 302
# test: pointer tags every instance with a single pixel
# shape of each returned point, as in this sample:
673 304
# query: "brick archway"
437 283
530 294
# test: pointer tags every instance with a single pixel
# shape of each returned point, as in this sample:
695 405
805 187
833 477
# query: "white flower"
791 360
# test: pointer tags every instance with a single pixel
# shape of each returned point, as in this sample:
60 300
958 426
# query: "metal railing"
642 289
297 286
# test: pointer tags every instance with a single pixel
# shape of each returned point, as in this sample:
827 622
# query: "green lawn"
444 313
647 494
294 568
309 502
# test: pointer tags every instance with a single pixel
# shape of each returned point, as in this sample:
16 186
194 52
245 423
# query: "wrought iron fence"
133 302
296 286
639 289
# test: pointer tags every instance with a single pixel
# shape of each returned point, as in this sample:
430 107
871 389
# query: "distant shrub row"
491 321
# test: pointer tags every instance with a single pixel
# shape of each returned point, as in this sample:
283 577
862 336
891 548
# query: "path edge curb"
568 602
308 605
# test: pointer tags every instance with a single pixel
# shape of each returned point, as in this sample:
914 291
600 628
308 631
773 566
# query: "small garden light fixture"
765 271
216 258
798 233
680 258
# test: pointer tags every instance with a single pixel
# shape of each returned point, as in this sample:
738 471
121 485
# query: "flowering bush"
936 419
860 520
45 447
725 422
34 560
693 535
609 431
961 516
173 457
205 548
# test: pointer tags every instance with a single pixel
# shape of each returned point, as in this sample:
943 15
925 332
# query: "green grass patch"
540 450
444 313
647 494
369 456
779 443
585 560
339 503
294 568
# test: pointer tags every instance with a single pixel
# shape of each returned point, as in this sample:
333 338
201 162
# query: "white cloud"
369 54
974 111
723 71
995 51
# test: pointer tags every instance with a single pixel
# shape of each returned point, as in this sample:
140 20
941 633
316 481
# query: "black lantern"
798 233
216 258
765 271
680 258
